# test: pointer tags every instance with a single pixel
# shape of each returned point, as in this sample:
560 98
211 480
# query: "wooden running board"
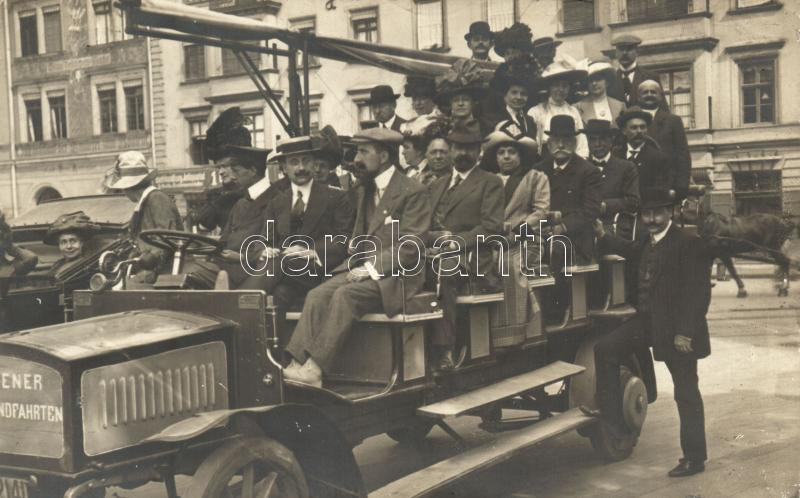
506 388
441 474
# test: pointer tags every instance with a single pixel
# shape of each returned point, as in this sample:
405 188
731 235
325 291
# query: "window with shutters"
430 24
134 107
230 64
364 24
107 101
194 62
58 114
52 29
677 86
578 15
28 34
758 91
651 10
501 13
33 118
197 140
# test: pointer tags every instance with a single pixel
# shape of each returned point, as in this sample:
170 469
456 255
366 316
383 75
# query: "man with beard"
383 102
674 294
575 186
651 164
467 204
389 206
306 227
629 74
480 40
620 186
667 130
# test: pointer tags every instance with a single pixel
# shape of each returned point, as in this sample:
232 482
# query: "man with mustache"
389 206
297 221
480 40
438 157
652 165
575 186
667 130
467 204
629 74
674 294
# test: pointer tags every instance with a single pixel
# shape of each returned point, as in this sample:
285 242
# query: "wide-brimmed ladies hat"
419 86
561 70
602 69
77 223
517 36
129 171
464 77
527 147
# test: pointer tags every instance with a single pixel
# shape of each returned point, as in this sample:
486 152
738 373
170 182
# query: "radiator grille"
128 402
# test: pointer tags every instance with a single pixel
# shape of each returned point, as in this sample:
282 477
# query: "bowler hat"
382 93
658 197
479 28
464 137
77 223
634 112
562 125
626 40
420 86
598 127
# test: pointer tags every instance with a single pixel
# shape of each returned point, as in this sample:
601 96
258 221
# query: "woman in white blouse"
558 79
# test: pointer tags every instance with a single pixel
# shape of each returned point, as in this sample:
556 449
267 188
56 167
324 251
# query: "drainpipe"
150 98
12 128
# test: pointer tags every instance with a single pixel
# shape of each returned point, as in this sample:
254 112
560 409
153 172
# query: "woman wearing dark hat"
71 233
422 92
516 91
459 91
527 201
598 104
558 80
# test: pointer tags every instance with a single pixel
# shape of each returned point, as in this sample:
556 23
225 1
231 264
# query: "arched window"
47 194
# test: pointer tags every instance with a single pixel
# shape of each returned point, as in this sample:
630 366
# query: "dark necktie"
627 84
599 164
522 125
444 203
633 155
299 206
369 201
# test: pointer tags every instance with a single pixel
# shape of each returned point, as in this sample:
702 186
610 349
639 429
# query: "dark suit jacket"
475 207
328 212
651 166
398 122
576 193
620 188
219 202
680 292
158 212
407 201
246 219
667 130
617 89
503 116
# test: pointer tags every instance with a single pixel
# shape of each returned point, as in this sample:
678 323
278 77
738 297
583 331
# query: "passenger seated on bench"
527 201
620 184
467 203
364 283
575 186
297 221
231 150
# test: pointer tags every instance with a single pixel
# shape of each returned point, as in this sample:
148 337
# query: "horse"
758 237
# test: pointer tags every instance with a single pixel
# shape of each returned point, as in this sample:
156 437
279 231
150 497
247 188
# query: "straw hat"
130 170
526 146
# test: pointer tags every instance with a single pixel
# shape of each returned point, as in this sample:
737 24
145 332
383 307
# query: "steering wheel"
181 242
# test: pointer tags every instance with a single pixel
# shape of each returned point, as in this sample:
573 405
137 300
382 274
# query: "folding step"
506 388
442 474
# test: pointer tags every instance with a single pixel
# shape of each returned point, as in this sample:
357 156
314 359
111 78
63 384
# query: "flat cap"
626 40
379 135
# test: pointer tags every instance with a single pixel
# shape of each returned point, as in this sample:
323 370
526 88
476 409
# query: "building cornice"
706 44
773 45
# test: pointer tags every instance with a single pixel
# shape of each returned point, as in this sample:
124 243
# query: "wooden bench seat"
480 298
383 318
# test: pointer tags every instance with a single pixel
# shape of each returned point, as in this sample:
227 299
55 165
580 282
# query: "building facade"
726 66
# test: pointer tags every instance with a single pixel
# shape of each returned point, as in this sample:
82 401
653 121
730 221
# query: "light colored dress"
544 112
